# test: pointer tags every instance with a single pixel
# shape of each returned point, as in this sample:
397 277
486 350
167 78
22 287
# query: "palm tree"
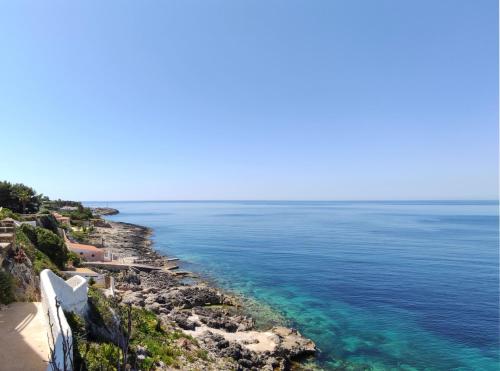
24 197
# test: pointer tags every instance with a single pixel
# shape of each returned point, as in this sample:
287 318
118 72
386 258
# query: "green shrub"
52 245
74 258
147 331
39 260
7 213
6 288
83 213
79 236
27 238
48 222
30 232
89 355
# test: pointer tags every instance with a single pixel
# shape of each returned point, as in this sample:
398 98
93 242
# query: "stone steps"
7 229
6 237
5 245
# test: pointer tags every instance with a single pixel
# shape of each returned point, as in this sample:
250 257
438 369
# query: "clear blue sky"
117 100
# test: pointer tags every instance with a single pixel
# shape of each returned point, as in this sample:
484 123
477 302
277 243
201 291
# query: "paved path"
123 266
23 337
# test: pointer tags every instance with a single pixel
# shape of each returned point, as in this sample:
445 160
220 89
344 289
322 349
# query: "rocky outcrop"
102 211
26 282
215 318
221 318
192 296
292 344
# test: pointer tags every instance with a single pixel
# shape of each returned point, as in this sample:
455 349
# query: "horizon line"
306 200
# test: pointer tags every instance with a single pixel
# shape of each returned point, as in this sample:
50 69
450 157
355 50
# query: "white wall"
72 295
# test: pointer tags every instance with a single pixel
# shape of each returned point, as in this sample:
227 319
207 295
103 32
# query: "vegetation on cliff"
116 336
48 243
6 288
19 197
38 258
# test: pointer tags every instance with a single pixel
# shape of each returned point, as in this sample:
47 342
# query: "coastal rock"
292 343
159 281
220 346
191 296
182 320
221 319
134 298
101 223
215 319
101 211
154 307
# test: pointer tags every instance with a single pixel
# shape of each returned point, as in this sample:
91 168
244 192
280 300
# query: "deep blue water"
387 285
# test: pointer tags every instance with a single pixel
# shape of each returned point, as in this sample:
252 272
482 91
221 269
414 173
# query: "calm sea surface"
382 285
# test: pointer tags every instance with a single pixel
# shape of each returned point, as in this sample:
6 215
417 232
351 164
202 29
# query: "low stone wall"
72 296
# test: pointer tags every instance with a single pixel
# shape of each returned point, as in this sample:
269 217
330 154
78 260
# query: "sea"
382 285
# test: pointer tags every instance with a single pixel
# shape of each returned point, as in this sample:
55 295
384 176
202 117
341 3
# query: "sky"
257 100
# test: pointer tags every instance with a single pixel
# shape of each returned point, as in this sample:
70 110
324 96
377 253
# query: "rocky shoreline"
213 317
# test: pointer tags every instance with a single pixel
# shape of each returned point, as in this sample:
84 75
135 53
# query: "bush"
52 245
46 242
88 355
75 259
83 213
39 260
29 232
6 288
48 222
7 213
79 236
146 331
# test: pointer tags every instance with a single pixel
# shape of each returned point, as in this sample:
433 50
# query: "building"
62 219
69 208
87 252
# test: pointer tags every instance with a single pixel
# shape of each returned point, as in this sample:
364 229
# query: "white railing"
72 296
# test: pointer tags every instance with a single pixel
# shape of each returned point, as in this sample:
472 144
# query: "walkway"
123 266
23 337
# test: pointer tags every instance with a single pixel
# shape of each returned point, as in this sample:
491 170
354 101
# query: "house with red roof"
88 252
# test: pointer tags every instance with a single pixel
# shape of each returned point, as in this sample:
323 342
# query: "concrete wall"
72 295
29 222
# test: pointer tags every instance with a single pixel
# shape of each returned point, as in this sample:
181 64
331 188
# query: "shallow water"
382 285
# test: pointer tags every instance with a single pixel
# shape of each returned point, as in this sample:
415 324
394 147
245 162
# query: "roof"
80 246
85 270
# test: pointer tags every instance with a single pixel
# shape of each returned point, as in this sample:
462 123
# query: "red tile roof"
73 245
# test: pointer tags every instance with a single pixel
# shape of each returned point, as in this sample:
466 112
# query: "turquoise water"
381 285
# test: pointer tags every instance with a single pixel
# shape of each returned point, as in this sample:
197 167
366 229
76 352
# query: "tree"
18 197
24 197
